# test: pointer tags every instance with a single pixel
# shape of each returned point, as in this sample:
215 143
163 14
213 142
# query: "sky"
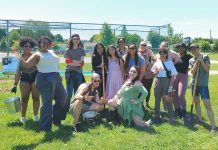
193 18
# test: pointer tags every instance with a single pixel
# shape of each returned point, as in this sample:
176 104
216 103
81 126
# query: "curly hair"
27 40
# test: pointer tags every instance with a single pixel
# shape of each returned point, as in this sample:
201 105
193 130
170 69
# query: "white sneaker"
23 119
36 118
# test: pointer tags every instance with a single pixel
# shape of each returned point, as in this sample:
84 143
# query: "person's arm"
142 91
32 61
17 77
142 72
193 68
205 65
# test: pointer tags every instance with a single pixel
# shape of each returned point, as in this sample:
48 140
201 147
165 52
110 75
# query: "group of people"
122 79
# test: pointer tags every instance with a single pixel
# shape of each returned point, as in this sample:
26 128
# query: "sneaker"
148 123
23 119
213 130
36 118
77 127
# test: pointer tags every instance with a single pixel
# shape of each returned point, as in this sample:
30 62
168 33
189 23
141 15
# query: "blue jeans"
73 81
50 87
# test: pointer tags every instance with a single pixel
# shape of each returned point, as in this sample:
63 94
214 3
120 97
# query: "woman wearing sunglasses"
128 101
86 99
164 71
49 84
27 78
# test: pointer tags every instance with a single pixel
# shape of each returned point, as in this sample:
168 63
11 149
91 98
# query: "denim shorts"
201 90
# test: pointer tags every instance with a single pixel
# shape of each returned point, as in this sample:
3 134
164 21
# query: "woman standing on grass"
164 71
132 58
27 78
49 84
180 83
97 65
74 57
115 72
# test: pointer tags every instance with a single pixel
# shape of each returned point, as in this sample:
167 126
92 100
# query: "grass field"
16 136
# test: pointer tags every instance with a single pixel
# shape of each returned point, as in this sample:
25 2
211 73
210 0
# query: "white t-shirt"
48 62
162 73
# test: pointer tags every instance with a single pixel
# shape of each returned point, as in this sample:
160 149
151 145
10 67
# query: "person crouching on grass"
86 99
202 84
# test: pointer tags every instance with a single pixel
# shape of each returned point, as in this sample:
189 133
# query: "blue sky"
191 17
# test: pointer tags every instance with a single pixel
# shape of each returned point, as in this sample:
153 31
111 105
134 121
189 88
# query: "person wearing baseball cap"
201 62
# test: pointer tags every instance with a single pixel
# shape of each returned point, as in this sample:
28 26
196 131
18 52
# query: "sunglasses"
143 45
95 81
162 53
76 38
27 46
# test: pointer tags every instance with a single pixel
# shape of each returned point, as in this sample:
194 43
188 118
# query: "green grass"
213 56
14 135
213 66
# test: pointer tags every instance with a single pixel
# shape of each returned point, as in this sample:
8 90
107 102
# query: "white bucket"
10 65
12 105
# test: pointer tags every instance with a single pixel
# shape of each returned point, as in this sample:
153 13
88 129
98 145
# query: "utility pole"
210 35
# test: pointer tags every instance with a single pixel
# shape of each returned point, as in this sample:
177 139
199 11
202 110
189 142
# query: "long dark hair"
95 52
70 42
116 54
128 56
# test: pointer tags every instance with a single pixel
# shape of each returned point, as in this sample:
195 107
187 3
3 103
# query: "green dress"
126 109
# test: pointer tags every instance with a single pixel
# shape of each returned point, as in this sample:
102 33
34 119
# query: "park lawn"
14 135
213 56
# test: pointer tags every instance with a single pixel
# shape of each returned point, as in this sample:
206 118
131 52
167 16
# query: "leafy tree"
3 44
204 45
13 36
2 33
134 39
59 38
106 34
124 33
96 38
215 47
154 39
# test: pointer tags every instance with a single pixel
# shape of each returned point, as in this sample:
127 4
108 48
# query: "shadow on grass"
64 133
28 125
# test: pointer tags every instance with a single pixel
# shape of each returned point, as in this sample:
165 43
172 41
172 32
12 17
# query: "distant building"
89 47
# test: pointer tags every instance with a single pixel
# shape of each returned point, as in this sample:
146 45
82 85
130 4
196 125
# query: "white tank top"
48 62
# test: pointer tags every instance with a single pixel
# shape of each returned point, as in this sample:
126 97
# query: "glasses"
143 45
27 46
162 53
96 81
132 48
76 38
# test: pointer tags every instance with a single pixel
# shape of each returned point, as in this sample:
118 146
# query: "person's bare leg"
77 108
198 108
210 113
25 93
36 101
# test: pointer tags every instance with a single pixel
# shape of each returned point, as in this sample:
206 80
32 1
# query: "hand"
133 101
103 100
68 60
14 90
128 83
157 70
87 97
199 58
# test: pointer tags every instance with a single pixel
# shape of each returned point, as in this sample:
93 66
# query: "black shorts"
28 77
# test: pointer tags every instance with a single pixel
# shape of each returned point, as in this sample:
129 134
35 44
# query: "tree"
2 34
59 38
204 45
13 36
124 33
3 44
96 38
154 39
106 34
133 39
